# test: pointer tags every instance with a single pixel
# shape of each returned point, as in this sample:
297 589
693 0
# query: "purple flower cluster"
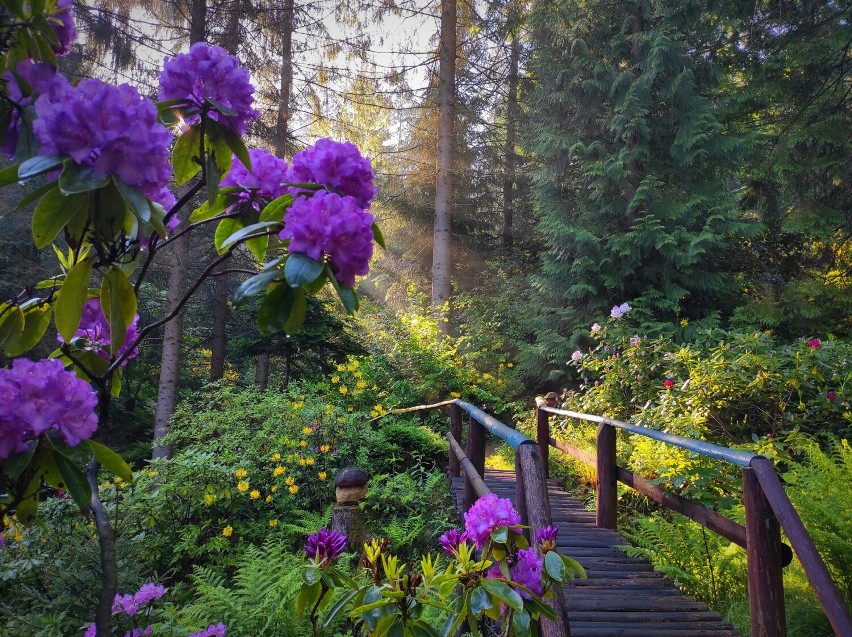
113 129
62 23
210 74
260 184
37 396
94 327
92 631
130 604
526 571
336 226
546 538
213 630
488 513
451 540
325 546
337 165
620 310
37 78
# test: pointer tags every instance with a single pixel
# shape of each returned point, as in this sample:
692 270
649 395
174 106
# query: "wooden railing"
767 511
531 498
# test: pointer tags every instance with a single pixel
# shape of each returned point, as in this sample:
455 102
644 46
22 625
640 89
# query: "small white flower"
577 356
596 328
635 341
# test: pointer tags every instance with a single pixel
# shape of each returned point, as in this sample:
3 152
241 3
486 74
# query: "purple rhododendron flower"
113 129
94 327
327 223
527 571
37 78
124 604
325 546
451 540
620 310
139 632
37 396
210 73
487 514
91 631
62 23
260 184
339 165
213 630
545 537
147 593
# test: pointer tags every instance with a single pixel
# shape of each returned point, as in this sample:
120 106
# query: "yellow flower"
510 364
344 389
361 384
322 475
290 481
302 461
273 523
274 488
294 489
684 322
153 473
374 414
309 461
455 394
307 430
276 457
243 486
209 499
241 473
304 443
278 471
268 499
228 531
350 409
255 494
335 379
357 374
324 448
341 368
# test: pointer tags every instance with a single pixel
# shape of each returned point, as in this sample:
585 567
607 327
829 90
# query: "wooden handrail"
469 470
768 510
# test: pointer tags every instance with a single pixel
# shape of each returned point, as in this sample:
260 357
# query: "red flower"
668 383
814 342
831 396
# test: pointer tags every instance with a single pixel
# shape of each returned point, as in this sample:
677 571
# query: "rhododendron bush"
103 163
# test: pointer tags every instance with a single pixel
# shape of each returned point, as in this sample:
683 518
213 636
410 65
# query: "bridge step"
623 596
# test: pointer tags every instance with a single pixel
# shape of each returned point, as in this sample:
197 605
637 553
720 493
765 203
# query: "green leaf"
14 465
245 232
53 213
27 508
519 539
184 156
110 460
38 193
504 593
39 166
346 295
301 270
212 175
521 623
225 229
275 209
480 600
237 146
311 575
377 234
9 175
339 606
77 179
135 199
208 210
118 302
554 566
11 326
72 296
307 597
297 313
276 308
75 482
254 285
573 566
500 534
36 321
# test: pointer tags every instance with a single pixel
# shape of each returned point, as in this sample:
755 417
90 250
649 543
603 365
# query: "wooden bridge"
623 596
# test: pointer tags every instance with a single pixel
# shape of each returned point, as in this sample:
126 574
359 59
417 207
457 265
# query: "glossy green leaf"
276 308
184 156
301 270
346 295
212 177
238 147
135 199
275 209
480 600
53 213
9 175
519 539
110 460
554 566
297 313
208 210
72 296
504 593
76 179
255 285
377 234
11 326
27 508
500 534
307 597
521 623
241 234
14 465
311 575
225 229
118 302
39 165
342 603
75 482
574 567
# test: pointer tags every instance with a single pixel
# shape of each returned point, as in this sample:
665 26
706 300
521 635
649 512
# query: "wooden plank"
592 630
606 488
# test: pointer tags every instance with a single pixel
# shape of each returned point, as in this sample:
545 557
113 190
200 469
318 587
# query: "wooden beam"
606 488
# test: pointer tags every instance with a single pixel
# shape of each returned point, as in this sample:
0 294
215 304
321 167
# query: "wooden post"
476 454
765 582
606 515
543 439
521 496
528 461
455 429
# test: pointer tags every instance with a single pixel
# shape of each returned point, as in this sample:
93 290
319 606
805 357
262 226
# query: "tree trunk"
219 340
511 136
442 239
261 370
167 392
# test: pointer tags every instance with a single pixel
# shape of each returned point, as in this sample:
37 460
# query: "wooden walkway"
623 596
